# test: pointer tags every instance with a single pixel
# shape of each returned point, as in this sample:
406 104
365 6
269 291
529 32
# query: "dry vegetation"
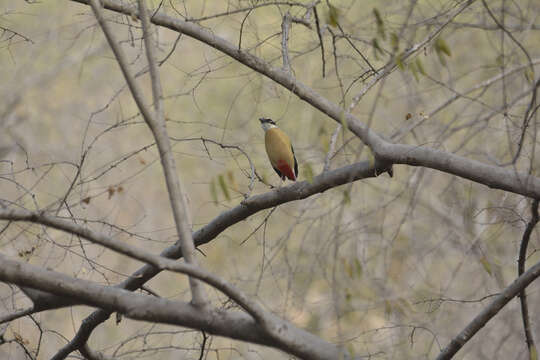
374 266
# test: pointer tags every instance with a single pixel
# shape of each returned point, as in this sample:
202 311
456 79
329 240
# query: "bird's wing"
295 163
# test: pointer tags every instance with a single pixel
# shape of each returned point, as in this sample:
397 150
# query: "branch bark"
158 127
489 312
149 308
533 353
248 207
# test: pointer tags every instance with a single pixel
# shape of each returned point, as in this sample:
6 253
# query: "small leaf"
533 353
350 349
223 186
346 197
420 66
376 48
358 266
394 41
213 191
442 46
232 180
486 265
111 191
380 23
308 172
442 60
333 15
86 200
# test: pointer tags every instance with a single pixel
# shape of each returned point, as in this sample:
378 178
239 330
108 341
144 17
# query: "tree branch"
521 269
489 312
248 207
492 176
149 308
158 127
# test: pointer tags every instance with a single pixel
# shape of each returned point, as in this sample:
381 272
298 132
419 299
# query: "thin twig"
319 34
16 314
331 147
253 171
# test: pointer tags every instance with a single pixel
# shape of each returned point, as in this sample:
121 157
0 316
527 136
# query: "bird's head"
267 123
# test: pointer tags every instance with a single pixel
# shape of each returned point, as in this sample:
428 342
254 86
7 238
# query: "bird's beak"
261 120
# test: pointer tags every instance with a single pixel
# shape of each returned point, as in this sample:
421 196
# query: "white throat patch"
267 126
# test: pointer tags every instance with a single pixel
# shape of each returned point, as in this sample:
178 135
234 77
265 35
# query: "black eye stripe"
265 120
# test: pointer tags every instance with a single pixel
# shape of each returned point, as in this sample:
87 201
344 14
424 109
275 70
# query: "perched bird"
279 150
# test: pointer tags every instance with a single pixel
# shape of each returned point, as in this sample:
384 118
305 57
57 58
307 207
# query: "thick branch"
521 269
149 308
489 312
250 206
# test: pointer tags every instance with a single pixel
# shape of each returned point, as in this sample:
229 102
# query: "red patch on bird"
286 170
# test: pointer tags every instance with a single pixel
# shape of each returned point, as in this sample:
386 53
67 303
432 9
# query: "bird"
279 150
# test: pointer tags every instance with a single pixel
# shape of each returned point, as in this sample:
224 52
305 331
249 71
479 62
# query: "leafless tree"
133 179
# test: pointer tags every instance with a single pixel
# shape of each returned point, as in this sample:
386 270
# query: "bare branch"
149 308
158 128
248 207
321 42
489 312
16 314
521 269
285 27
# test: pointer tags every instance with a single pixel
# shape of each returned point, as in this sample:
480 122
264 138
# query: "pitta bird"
279 150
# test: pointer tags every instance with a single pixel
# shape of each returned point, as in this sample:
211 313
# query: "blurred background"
390 268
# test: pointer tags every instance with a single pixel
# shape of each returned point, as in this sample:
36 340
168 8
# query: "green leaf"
223 186
486 265
358 266
533 353
394 41
380 23
529 75
376 48
420 66
213 191
232 180
346 197
333 15
308 172
442 46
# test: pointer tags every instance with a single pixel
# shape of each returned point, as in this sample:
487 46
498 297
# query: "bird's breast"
278 147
